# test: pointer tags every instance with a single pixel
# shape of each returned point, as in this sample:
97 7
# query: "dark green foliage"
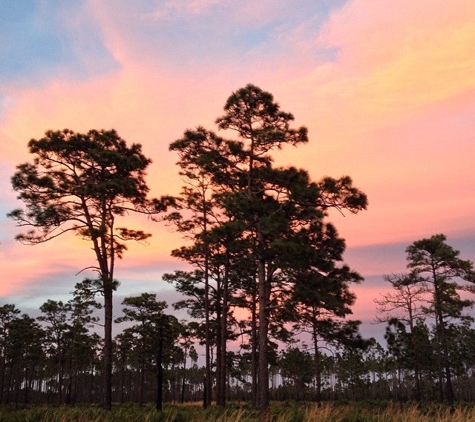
82 183
442 271
260 240
297 367
153 336
73 172
265 223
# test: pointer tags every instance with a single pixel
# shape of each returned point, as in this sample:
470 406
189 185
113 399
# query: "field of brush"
281 412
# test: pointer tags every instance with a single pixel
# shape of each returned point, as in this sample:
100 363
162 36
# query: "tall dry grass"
390 413
281 412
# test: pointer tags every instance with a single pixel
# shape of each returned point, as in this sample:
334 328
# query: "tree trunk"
60 377
254 346
69 387
219 393
9 382
318 368
223 337
18 379
183 377
448 373
122 382
2 377
207 380
263 386
141 380
443 347
159 398
107 351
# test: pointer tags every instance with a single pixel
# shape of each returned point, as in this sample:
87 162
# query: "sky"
386 90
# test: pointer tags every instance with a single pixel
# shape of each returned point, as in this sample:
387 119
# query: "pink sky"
387 90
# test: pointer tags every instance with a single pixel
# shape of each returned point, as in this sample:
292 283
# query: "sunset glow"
386 89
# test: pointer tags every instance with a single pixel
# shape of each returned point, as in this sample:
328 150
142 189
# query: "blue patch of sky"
215 34
36 44
25 44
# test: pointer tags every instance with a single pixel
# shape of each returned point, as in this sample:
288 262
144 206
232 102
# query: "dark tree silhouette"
268 207
441 269
82 183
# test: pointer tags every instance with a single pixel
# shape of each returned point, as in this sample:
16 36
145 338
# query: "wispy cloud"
386 89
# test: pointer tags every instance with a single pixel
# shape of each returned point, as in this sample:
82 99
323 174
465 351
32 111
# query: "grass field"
281 412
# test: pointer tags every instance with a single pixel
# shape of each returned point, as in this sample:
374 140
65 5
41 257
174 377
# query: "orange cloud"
393 61
392 111
393 108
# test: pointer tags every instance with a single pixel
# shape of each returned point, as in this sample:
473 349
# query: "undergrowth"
241 412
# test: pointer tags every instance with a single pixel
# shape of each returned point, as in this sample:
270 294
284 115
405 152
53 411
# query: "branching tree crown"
82 183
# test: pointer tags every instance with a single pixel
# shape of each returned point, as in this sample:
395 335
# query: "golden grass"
237 412
392 413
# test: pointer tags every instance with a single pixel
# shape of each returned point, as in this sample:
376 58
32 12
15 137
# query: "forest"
267 292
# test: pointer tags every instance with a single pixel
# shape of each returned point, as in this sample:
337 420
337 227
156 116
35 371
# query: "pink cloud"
70 255
392 109
395 60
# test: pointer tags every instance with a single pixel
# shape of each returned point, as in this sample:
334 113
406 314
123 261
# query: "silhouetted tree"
156 334
83 183
266 207
405 305
441 269
55 316
8 313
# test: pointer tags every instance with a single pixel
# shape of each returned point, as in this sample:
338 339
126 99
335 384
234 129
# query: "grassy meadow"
281 412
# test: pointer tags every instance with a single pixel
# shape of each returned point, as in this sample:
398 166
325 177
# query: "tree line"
258 238
57 357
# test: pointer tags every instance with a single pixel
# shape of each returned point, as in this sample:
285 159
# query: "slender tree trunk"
2 379
443 347
9 382
60 377
223 337
183 387
440 375
29 375
219 371
27 384
254 345
183 377
207 381
107 362
417 374
318 368
70 382
18 380
448 373
159 374
122 382
92 383
142 380
263 386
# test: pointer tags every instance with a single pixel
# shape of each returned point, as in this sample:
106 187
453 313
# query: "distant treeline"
258 240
